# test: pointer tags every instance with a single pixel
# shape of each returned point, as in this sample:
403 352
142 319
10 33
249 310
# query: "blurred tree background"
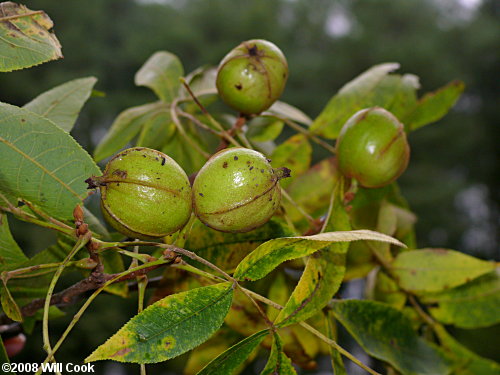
452 183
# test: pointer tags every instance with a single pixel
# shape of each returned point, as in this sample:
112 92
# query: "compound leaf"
63 103
386 333
169 327
25 39
42 163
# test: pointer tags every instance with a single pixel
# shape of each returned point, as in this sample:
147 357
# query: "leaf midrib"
211 304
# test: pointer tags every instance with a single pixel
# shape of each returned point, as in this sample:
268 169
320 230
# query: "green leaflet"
161 73
274 252
433 106
232 358
433 270
357 94
42 163
465 362
320 280
157 129
63 103
125 127
25 39
9 306
10 252
169 327
472 305
264 128
278 363
226 250
295 154
385 333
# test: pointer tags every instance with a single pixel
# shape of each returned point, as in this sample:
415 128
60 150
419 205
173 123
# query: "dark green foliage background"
452 183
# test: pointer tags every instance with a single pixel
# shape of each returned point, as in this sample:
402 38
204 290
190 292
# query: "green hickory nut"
237 190
372 148
252 76
145 194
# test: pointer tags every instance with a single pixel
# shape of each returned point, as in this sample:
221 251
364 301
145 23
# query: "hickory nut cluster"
145 194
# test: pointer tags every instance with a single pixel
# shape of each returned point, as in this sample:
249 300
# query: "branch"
72 294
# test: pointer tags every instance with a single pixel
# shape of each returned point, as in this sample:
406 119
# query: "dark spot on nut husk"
251 168
252 51
238 86
235 158
261 171
23 120
201 194
163 160
268 160
224 165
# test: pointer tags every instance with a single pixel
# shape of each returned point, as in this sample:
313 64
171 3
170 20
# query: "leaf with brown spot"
169 327
25 38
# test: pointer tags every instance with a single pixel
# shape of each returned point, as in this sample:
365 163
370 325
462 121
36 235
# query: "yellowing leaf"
169 327
295 154
472 305
434 270
274 252
25 39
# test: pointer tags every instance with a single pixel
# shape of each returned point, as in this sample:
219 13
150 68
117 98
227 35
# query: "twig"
335 193
82 241
301 130
131 273
182 132
213 121
298 207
